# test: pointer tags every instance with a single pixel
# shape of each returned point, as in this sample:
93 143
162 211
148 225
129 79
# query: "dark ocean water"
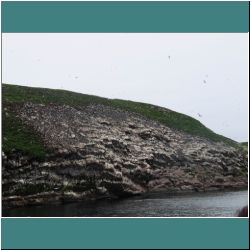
214 204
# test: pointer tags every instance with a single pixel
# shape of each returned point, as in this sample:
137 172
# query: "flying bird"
204 81
169 57
199 114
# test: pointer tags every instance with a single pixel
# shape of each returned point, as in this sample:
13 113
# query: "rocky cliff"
98 151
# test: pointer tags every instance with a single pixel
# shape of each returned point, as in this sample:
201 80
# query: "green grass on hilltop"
173 119
19 137
244 146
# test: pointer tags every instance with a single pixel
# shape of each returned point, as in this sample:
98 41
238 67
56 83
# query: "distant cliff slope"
63 146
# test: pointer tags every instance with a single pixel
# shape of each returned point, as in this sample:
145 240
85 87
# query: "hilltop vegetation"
17 136
244 146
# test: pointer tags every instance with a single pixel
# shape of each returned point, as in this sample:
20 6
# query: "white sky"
165 69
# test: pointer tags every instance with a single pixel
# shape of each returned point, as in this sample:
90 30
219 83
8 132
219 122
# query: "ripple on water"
218 204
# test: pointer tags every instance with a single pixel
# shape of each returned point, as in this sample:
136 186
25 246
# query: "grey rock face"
104 152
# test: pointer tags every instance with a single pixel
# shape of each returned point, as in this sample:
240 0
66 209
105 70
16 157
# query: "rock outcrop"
100 151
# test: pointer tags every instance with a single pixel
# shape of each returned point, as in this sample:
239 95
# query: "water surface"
214 204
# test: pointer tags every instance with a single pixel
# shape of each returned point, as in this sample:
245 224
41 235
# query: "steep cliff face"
98 151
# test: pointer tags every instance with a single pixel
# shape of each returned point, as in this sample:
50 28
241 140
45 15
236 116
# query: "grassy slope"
244 146
17 136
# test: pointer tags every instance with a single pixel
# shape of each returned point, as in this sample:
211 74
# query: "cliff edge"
63 146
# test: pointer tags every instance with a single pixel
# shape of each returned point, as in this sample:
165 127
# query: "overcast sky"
201 75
